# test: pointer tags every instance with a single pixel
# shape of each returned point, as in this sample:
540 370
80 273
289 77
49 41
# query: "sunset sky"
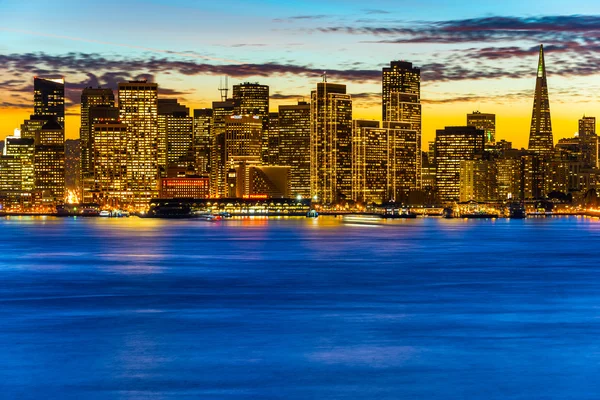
473 55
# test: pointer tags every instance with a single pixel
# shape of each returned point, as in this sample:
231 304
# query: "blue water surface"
299 309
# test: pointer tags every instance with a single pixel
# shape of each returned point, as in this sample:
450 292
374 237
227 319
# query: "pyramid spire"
540 135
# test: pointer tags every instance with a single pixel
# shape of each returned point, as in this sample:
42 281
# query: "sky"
473 55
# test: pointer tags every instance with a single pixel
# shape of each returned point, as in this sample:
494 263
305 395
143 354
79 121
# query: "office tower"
10 181
384 166
138 109
49 98
175 136
540 136
485 122
72 165
294 146
478 180
370 162
509 178
243 139
532 180
202 139
399 77
221 111
110 161
271 151
243 136
331 143
49 163
452 145
23 149
401 100
91 98
98 114
253 99
589 141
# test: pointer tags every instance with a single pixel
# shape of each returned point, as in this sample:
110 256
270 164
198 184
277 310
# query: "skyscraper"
589 141
253 99
49 163
485 122
49 98
401 101
90 98
202 139
294 146
540 135
222 110
331 143
110 161
384 164
175 136
453 145
138 109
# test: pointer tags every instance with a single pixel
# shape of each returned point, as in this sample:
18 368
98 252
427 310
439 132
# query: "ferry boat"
517 211
104 214
362 219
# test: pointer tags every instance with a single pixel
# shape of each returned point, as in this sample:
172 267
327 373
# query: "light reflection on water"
299 309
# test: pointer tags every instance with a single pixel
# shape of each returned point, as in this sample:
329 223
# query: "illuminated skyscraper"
485 122
271 141
138 109
384 168
90 98
222 110
99 114
294 146
331 143
401 101
253 99
453 145
49 163
540 136
49 98
202 139
23 149
110 165
589 141
175 136
478 180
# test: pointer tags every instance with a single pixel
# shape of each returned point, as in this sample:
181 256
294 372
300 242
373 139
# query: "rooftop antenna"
224 89
324 76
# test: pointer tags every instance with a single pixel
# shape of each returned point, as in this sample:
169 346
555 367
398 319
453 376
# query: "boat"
312 214
362 218
104 214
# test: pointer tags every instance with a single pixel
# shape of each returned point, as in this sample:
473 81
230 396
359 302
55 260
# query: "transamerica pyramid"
540 135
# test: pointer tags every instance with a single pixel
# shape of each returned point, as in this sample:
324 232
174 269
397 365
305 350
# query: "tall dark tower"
540 136
49 98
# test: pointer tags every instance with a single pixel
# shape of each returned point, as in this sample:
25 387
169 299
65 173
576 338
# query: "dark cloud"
562 28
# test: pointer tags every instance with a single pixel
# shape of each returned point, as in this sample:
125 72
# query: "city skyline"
475 58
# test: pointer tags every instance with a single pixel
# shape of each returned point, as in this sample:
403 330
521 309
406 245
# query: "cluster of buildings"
135 146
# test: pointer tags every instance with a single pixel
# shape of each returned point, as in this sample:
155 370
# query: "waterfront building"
331 143
222 110
91 98
253 99
138 109
175 136
49 163
589 141
187 187
110 162
453 145
294 146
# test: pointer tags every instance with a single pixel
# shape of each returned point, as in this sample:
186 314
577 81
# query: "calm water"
299 309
